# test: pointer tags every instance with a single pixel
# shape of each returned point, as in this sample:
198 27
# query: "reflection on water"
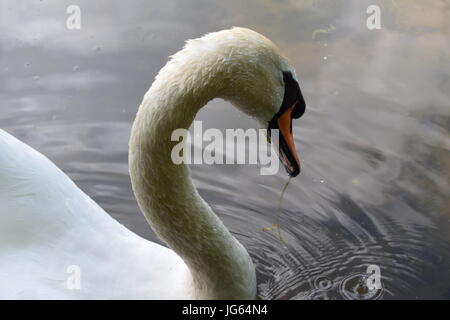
374 141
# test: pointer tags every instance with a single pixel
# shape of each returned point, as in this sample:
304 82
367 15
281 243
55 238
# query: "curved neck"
220 266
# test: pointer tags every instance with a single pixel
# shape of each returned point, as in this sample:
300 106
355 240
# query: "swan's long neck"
220 266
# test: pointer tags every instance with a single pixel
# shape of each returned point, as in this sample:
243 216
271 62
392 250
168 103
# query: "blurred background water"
375 139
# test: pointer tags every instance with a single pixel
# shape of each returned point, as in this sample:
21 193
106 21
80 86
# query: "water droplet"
36 78
354 287
76 68
323 283
325 58
27 64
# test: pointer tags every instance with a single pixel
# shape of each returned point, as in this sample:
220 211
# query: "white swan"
56 243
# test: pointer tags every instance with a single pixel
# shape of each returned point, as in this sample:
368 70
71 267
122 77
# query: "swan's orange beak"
286 145
292 107
285 125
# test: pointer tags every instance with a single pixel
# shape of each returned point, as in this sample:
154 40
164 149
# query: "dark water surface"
375 140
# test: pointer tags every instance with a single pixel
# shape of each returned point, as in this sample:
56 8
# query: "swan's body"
48 225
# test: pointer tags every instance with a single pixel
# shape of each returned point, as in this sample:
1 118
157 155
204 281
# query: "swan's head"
247 69
261 83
